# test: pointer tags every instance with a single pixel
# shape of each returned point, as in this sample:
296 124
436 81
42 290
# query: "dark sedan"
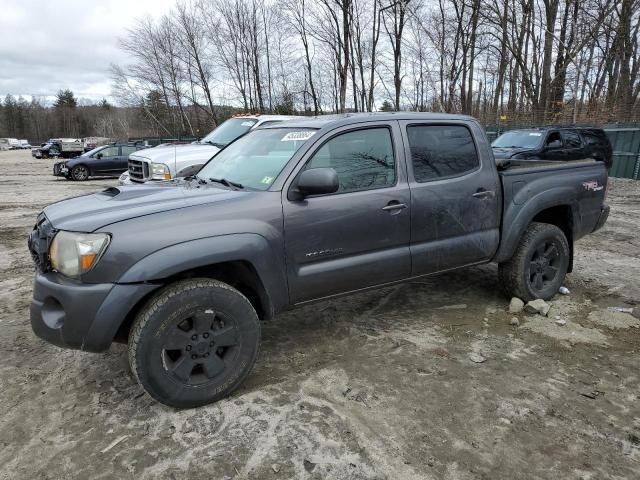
105 161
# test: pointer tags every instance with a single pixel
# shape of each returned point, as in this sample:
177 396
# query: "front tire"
194 342
538 266
80 173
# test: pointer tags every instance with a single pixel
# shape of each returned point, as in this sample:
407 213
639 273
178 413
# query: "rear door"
573 145
359 236
455 198
554 147
123 160
104 164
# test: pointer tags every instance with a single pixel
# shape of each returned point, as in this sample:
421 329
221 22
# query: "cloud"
51 45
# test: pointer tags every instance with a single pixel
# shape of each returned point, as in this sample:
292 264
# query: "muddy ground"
378 385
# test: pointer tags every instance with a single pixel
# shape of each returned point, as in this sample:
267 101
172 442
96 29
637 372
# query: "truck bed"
574 190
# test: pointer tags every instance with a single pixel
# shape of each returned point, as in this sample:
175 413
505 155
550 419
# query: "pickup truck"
175 161
62 147
289 214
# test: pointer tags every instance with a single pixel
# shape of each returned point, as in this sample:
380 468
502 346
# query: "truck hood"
88 213
191 154
508 152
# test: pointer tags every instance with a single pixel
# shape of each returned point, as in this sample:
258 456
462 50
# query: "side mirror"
318 181
98 156
555 144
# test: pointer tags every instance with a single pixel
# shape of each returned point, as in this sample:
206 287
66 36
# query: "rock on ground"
537 306
516 305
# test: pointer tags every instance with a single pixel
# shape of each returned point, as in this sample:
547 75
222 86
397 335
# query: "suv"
174 161
554 143
105 161
290 214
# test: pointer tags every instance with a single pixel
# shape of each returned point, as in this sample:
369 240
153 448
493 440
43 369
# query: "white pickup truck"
174 161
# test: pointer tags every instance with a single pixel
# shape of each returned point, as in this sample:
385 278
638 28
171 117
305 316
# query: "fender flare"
514 227
247 247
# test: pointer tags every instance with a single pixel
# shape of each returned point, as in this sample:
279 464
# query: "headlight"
73 254
159 171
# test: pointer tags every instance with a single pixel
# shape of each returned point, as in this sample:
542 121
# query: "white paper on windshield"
297 136
248 124
533 134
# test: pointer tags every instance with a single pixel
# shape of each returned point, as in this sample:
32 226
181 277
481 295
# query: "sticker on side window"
533 134
297 136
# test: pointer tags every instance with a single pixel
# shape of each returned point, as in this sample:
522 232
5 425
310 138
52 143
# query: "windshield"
518 139
255 160
229 131
91 152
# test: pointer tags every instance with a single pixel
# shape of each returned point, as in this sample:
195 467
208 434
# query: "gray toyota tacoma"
293 213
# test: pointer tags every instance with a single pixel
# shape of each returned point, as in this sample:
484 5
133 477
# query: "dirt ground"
379 385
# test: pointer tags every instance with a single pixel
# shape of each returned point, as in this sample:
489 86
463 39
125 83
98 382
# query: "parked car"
175 161
25 145
554 143
10 143
290 214
61 147
105 161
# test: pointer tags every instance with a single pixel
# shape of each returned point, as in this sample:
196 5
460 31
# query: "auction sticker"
297 136
267 180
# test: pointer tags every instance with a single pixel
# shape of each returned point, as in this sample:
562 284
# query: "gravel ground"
426 380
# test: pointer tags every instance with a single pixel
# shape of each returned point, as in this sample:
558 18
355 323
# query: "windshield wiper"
216 144
227 183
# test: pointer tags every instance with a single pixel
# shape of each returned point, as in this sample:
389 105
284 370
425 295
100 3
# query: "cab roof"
336 120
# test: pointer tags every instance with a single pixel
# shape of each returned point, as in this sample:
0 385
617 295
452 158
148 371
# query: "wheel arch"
244 261
561 214
239 274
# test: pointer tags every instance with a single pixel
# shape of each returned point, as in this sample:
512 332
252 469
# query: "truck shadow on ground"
322 334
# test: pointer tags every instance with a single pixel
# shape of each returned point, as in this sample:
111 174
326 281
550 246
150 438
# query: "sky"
48 45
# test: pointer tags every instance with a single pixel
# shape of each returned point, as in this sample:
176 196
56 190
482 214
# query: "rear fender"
518 217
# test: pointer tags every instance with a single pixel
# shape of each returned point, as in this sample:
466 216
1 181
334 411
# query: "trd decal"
592 186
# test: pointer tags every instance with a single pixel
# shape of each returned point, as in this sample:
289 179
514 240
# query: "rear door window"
441 151
572 140
128 150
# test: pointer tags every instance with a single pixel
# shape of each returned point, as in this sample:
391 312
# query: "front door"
455 198
359 236
104 164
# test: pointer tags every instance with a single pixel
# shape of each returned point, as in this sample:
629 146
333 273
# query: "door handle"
482 193
394 205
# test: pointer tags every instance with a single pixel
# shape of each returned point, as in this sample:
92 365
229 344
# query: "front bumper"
81 316
60 169
604 214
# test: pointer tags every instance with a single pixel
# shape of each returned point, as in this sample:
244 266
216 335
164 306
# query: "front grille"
39 241
138 170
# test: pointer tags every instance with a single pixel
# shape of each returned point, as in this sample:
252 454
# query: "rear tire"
194 342
538 266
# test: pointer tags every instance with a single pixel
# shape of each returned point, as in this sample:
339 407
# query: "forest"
511 62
